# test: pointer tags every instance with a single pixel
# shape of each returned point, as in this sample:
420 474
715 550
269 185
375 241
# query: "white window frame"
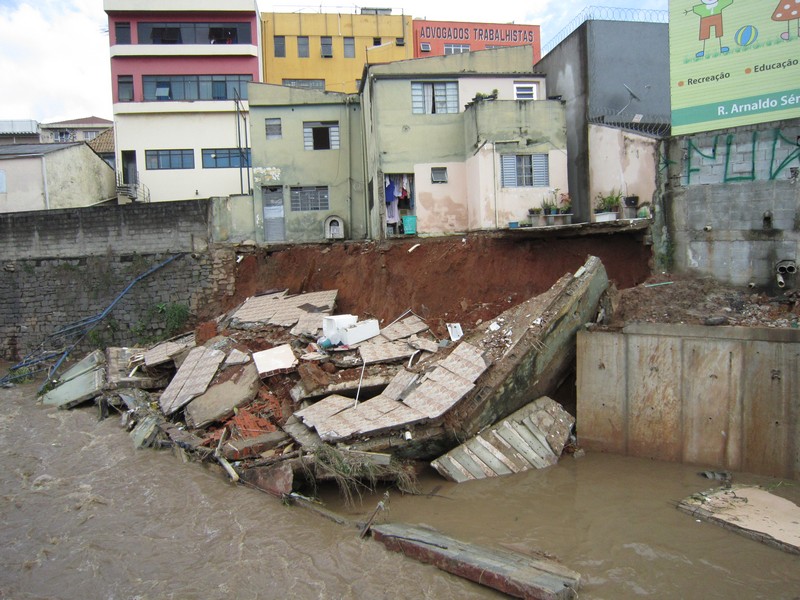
309 127
526 90
434 97
525 170
425 47
308 198
456 48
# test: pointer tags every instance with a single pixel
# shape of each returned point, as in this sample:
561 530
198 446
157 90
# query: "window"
194 87
434 98
62 136
326 42
349 47
309 198
525 90
525 170
456 48
223 35
90 135
302 46
376 41
438 174
321 135
425 47
279 43
163 90
400 41
169 159
308 84
225 158
125 88
3 188
273 127
122 33
194 33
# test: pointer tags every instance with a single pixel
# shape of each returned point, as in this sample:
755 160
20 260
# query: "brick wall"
59 267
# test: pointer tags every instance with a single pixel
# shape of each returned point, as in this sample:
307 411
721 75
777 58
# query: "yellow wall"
340 73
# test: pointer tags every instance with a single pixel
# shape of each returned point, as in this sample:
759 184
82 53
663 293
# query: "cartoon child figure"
787 10
710 13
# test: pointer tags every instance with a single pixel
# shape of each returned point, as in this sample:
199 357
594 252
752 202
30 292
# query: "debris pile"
285 391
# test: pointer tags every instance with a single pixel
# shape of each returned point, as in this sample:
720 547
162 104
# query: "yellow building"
328 51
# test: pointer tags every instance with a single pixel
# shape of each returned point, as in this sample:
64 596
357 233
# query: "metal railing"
137 191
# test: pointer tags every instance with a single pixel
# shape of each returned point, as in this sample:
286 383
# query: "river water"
87 516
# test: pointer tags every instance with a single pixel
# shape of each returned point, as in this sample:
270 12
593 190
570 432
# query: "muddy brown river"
86 516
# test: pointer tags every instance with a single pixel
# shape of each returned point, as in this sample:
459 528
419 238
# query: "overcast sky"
54 59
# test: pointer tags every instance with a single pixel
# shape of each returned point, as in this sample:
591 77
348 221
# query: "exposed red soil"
465 279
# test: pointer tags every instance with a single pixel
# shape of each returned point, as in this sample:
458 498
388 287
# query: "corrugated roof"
27 149
19 127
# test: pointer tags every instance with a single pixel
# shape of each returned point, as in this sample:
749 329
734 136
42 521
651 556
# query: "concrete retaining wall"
725 397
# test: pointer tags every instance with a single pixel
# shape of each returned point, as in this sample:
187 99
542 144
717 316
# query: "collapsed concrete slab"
531 438
280 309
220 400
192 378
80 388
166 351
487 376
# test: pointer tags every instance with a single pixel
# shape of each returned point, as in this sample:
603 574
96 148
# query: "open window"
323 135
438 174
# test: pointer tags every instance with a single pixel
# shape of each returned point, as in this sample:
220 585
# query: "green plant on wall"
608 202
161 321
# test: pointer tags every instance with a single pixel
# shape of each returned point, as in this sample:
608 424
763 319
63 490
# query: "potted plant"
607 206
535 213
550 210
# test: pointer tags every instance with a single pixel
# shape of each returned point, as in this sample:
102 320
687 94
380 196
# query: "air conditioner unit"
425 47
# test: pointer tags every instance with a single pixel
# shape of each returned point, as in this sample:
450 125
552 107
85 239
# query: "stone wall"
60 267
733 202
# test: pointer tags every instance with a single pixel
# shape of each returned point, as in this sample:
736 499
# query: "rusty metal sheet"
711 410
654 397
192 378
404 328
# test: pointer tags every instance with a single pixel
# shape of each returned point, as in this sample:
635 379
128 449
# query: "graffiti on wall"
746 156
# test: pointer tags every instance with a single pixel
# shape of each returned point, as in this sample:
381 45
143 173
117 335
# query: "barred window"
525 170
309 198
273 126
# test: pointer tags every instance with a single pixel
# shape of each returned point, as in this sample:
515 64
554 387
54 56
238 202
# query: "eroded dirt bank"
455 279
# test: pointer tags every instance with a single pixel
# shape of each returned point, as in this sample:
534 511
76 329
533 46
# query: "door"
129 172
274 220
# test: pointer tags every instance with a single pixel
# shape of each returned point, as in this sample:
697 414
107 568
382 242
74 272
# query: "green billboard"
733 62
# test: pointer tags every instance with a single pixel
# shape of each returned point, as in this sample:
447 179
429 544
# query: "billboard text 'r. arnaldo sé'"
733 62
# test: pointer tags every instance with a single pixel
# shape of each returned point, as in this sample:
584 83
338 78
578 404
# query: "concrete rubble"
289 391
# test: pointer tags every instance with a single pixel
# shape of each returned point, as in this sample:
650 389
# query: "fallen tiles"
166 351
192 379
404 328
280 309
275 360
376 352
531 438
120 374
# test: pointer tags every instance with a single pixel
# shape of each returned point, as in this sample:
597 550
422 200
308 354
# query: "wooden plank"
486 469
451 469
507 448
520 446
497 453
538 452
465 460
508 572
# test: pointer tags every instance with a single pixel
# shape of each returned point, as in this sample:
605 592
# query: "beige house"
74 130
49 176
460 143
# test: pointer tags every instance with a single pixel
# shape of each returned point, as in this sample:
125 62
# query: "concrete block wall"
733 203
59 267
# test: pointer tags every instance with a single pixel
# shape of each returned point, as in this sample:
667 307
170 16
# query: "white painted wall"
621 160
175 131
